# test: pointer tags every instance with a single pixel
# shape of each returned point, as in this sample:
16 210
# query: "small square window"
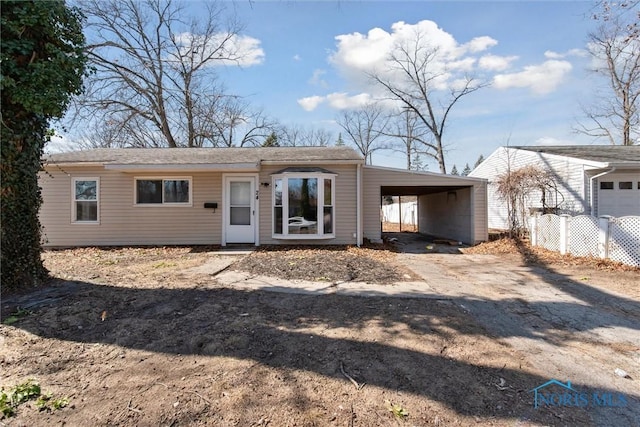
625 185
606 185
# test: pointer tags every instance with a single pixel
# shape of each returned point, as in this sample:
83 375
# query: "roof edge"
427 173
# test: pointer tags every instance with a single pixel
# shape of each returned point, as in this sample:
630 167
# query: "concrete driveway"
568 329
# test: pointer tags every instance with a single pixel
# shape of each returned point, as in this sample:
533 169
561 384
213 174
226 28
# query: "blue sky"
306 72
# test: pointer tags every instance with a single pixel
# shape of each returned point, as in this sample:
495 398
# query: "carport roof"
418 190
419 183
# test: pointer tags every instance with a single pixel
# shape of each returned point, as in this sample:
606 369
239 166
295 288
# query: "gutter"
315 161
591 191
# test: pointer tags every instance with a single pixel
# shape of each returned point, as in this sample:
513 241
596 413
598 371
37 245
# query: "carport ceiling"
418 190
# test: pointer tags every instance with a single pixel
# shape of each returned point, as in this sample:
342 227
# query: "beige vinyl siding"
568 174
344 208
374 178
121 222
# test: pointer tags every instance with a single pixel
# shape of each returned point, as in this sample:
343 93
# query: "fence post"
533 224
564 233
603 236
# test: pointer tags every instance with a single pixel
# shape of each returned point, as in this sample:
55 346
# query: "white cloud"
297 58
337 100
480 44
495 62
549 140
357 55
540 79
310 103
317 80
224 49
342 101
572 52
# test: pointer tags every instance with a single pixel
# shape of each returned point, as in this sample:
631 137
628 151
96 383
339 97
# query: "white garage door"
619 195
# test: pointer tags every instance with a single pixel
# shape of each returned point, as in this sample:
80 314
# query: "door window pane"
240 193
240 215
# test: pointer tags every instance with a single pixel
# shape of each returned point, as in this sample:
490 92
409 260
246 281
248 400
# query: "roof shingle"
178 156
595 153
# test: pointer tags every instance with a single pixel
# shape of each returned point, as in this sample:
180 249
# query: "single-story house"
257 196
590 179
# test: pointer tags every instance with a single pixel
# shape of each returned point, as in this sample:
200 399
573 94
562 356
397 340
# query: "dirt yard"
148 337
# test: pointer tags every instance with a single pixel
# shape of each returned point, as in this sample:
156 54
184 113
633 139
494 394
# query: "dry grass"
539 255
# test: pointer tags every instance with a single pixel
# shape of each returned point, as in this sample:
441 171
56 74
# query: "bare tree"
364 128
417 78
235 124
517 187
154 68
296 136
405 128
615 48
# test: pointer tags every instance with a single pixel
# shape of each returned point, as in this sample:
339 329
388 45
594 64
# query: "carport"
450 207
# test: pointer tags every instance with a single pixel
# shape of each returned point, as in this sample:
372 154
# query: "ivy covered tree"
42 67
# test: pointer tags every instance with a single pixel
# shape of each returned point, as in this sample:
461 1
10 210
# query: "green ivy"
43 64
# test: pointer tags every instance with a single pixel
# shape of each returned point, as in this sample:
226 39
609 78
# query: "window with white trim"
85 193
163 191
303 205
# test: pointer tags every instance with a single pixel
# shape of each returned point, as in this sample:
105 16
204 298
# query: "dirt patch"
327 264
133 336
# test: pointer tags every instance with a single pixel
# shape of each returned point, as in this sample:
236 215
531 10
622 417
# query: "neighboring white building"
591 179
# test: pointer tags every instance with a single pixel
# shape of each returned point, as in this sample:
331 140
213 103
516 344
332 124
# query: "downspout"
359 205
591 191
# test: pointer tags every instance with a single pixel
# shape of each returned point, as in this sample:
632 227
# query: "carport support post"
564 233
603 236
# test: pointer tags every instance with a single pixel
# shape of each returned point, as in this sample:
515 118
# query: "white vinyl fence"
405 213
617 239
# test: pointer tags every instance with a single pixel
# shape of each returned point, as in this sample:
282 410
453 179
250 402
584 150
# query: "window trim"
320 176
74 206
163 179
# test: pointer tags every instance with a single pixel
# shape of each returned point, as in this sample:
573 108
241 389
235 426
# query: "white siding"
619 202
568 174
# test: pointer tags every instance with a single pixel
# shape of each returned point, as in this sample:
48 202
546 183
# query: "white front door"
240 209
